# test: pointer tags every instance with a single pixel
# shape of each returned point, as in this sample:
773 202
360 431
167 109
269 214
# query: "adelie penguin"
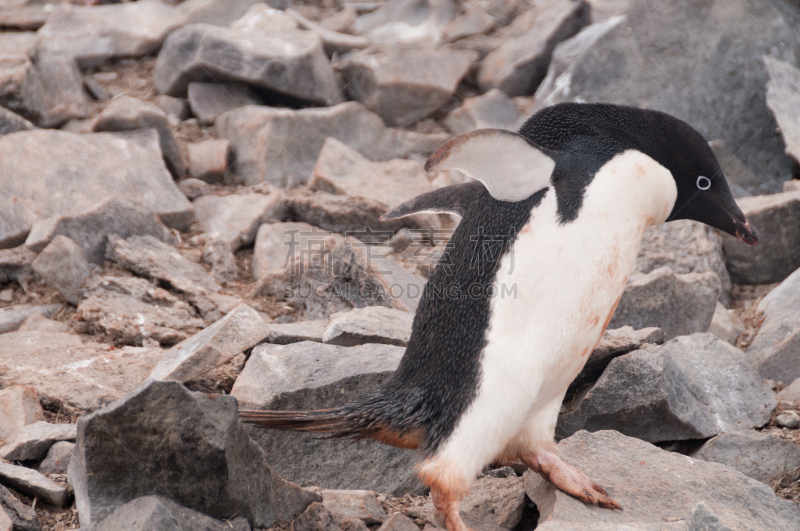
558 211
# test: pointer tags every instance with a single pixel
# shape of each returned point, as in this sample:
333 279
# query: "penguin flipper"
510 166
455 199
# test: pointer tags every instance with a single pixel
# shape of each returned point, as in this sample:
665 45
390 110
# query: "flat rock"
311 376
157 512
109 164
11 122
239 330
407 23
33 483
93 34
373 324
90 228
783 99
11 317
405 86
62 266
238 217
37 321
685 246
615 343
319 518
641 476
209 100
57 459
222 472
619 68
677 391
491 110
248 52
518 65
19 407
125 113
208 160
23 518
285 333
497 503
678 304
71 374
776 348
261 136
360 504
34 440
777 220
15 265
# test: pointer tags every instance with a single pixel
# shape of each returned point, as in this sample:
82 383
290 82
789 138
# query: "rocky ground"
190 195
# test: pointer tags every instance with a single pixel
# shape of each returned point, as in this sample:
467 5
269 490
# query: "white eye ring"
703 183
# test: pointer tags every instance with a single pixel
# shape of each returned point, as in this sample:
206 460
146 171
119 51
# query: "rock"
11 317
790 393
217 253
90 229
373 324
788 419
11 122
125 320
208 160
405 86
791 186
248 52
725 324
126 113
19 407
95 89
12 43
24 17
193 188
239 330
70 374
222 472
334 42
34 440
135 170
311 376
641 476
57 459
497 503
261 136
407 23
742 180
677 391
237 217
678 304
777 218
33 483
283 334
23 518
6 524
37 321
276 243
93 34
221 12
360 504
474 21
58 95
783 100
319 518
518 65
398 522
684 246
62 266
618 68
209 100
15 265
491 110
615 343
177 107
156 512
761 456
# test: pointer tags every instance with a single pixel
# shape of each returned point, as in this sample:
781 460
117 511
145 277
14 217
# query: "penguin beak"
746 232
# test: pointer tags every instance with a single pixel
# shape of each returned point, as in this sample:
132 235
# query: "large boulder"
783 99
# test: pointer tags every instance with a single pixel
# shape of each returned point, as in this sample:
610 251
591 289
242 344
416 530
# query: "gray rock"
57 459
333 41
791 186
221 12
248 52
221 473
788 419
218 254
791 393
783 99
58 96
15 265
37 321
157 512
311 376
360 504
319 518
126 113
90 229
474 21
209 100
11 122
70 374
239 330
33 483
285 333
519 65
678 304
23 518
109 164
761 456
643 62
405 86
412 23
641 476
685 246
742 180
93 34
18 42
493 110
194 188
62 266
497 503
373 324
177 107
20 79
261 136
19 407
34 440
726 324
615 343
777 220
237 217
208 160
398 522
11 317
276 243
677 391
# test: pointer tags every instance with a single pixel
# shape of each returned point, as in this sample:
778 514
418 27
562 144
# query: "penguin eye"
703 183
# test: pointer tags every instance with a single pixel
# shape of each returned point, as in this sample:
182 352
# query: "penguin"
549 232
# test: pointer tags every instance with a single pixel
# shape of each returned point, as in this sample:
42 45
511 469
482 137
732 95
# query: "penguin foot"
569 479
446 511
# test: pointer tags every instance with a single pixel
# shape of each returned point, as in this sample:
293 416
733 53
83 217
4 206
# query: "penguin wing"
454 199
510 166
